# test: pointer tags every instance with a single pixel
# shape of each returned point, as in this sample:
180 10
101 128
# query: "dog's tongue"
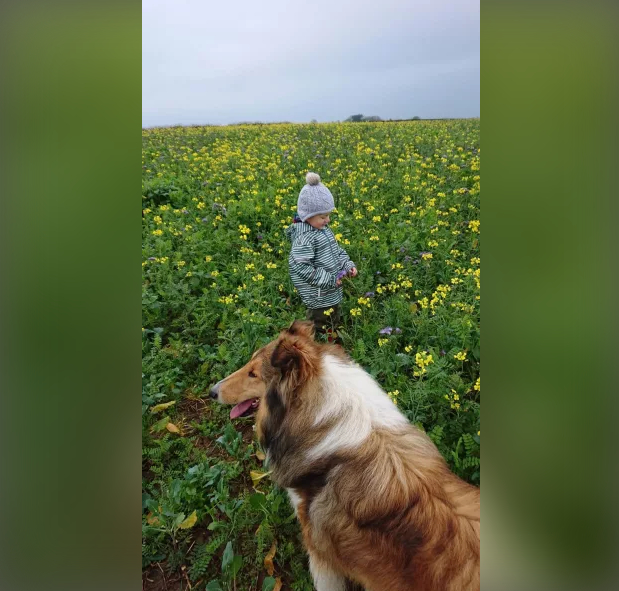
240 408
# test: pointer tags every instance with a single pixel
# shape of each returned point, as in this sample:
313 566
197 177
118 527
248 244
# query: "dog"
375 499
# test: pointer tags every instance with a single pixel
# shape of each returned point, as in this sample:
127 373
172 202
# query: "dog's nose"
214 393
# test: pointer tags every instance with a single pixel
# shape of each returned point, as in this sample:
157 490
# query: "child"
316 262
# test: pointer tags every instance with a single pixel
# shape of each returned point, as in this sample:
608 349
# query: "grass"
216 202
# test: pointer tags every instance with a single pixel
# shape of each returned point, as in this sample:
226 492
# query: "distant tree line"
359 118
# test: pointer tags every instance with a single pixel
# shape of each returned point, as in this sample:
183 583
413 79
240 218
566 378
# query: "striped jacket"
314 263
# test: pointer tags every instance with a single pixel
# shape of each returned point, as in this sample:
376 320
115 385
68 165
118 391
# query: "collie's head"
279 360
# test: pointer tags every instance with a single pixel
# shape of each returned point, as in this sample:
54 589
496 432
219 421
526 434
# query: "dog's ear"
286 356
303 328
295 357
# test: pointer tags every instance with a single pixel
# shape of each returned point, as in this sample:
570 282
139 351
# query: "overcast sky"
218 61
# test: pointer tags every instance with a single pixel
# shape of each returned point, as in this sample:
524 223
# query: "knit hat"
314 198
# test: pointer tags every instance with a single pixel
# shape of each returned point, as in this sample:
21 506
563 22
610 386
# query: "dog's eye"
252 374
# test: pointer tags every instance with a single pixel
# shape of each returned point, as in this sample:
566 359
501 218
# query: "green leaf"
179 519
161 424
227 557
214 586
237 562
268 584
257 501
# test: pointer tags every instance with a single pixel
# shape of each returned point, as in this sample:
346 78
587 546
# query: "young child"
317 262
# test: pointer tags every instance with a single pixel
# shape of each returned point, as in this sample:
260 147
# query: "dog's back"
393 517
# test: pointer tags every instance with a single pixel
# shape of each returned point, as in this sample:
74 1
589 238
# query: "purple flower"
151 258
341 274
369 294
398 331
378 272
422 253
408 259
386 330
442 352
185 210
402 249
259 236
204 220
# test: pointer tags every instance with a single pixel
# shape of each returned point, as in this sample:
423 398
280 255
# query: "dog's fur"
375 499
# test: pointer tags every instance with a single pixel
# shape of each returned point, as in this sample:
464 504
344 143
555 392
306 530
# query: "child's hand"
338 282
353 272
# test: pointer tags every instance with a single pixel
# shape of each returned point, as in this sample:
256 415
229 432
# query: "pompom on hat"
314 198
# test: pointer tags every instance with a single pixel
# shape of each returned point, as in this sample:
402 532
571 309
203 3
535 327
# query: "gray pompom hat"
314 198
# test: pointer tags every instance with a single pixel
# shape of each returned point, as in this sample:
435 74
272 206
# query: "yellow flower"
271 266
355 312
157 232
374 238
189 274
208 258
382 342
426 256
461 356
408 348
328 312
181 263
249 266
422 360
474 226
214 273
477 385
394 396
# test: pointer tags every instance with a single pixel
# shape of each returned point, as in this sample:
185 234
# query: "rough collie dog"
376 502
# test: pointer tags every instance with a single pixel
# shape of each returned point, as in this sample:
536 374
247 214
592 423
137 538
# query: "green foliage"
216 287
202 556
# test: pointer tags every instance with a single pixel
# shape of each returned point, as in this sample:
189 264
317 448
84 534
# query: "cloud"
272 61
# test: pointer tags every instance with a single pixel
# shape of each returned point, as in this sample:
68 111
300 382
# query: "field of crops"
216 202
